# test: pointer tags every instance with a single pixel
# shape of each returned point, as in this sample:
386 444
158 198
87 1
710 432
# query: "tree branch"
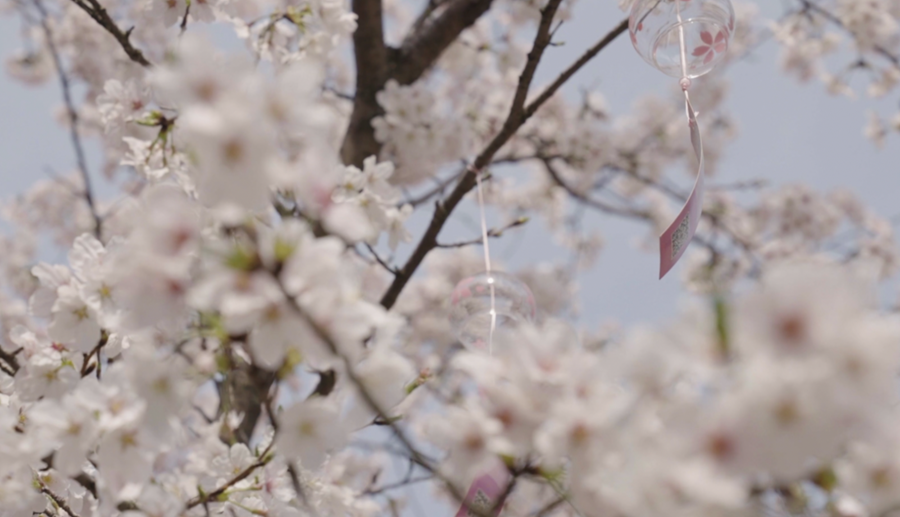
467 182
376 63
809 5
99 14
493 232
398 484
591 202
73 120
244 389
439 188
57 499
383 263
422 47
10 360
213 496
575 67
244 474
370 53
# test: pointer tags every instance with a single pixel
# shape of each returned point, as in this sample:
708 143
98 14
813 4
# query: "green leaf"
723 340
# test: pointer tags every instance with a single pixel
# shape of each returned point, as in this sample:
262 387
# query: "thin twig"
337 93
593 203
56 499
575 67
398 484
99 14
493 232
808 5
73 120
442 184
244 474
741 185
187 11
104 338
390 269
549 507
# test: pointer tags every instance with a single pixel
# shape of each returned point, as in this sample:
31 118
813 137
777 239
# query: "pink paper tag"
674 241
485 494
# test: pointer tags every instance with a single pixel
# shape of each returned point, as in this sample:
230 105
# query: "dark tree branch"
574 67
541 40
383 263
422 47
243 391
85 369
101 16
371 56
467 182
327 382
73 120
376 63
425 15
57 499
184 20
213 496
439 188
87 482
10 360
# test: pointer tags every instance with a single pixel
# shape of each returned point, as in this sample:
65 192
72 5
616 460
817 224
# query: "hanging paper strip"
486 494
674 241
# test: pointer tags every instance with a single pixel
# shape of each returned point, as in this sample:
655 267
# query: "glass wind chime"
489 302
682 38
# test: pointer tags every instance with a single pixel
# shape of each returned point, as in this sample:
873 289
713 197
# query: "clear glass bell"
658 28
470 308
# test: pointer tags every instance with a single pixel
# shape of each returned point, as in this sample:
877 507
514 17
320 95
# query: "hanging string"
673 242
685 80
487 257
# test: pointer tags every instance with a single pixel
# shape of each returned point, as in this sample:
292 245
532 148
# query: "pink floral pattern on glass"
711 46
